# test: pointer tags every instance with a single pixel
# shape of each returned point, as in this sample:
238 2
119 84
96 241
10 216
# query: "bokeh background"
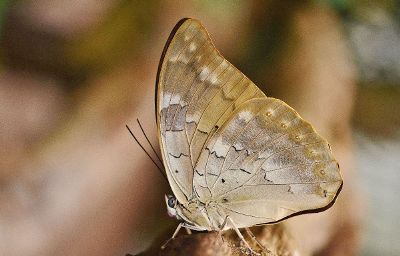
73 73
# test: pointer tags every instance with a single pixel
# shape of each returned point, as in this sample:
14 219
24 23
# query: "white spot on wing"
175 99
204 74
166 99
192 47
169 99
173 58
193 117
221 146
183 57
239 146
245 115
213 79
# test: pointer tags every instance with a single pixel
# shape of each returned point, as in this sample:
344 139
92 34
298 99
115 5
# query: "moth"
234 157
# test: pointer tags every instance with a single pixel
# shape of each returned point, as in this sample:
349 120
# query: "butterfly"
234 157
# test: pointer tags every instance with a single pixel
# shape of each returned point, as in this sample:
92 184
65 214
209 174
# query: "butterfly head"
181 212
172 204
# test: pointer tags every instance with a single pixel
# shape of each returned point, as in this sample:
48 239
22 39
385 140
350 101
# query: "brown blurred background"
73 73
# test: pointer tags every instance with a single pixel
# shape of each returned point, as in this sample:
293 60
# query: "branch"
275 239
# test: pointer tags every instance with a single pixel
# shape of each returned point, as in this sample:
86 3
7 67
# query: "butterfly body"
231 152
201 216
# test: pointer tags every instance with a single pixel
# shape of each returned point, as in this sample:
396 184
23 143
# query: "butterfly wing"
265 164
197 91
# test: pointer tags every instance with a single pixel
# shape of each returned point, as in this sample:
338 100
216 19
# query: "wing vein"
244 214
260 167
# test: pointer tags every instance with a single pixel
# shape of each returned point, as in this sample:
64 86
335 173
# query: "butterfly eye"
172 202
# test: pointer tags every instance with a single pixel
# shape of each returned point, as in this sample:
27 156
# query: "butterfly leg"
188 231
221 228
256 240
173 236
233 225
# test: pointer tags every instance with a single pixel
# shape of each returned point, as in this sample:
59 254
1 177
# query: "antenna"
137 141
141 128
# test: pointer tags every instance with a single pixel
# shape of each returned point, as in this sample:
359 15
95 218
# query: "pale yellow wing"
265 164
197 90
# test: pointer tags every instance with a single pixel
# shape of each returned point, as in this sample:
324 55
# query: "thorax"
203 216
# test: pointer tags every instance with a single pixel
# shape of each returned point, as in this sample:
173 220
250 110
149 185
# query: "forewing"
197 92
266 163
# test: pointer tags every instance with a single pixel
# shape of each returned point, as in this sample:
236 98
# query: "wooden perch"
275 239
